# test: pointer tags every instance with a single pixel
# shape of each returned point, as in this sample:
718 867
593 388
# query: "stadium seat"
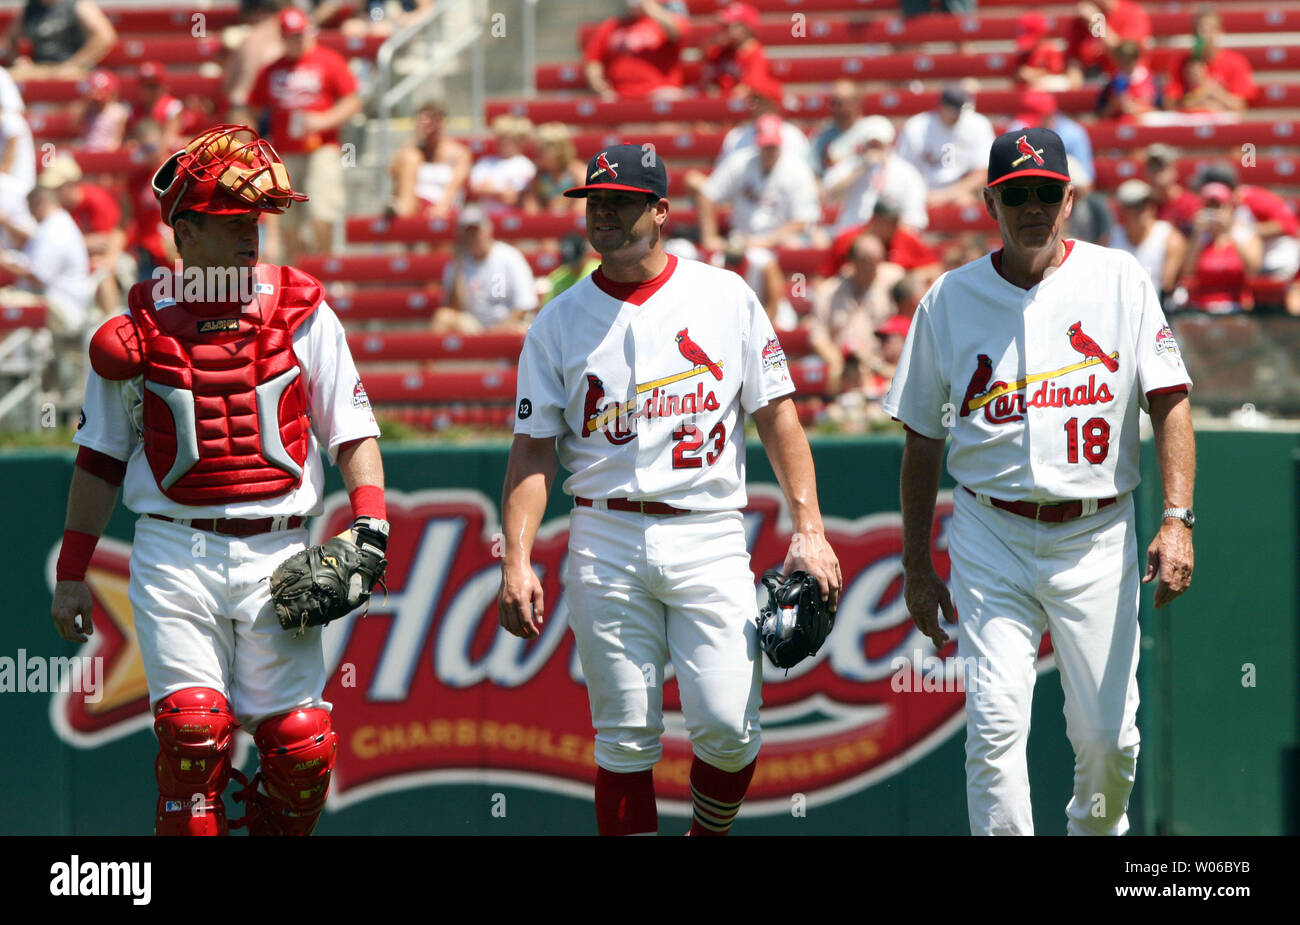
13 317
66 91
415 346
389 304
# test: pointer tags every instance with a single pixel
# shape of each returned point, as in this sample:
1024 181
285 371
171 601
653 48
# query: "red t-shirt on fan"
312 83
1219 281
637 55
97 211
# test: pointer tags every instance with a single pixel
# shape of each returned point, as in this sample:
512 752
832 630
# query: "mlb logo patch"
264 289
174 806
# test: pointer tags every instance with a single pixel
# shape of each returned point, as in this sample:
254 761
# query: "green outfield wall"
449 726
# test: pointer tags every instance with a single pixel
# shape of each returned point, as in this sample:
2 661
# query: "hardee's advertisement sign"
428 689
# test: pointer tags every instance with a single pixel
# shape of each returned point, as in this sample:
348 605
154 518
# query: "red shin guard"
625 803
297 755
194 728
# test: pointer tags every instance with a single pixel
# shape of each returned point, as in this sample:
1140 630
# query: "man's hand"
926 594
72 600
809 552
520 606
1169 558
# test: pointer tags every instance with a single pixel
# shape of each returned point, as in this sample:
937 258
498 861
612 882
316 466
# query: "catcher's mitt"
323 583
795 621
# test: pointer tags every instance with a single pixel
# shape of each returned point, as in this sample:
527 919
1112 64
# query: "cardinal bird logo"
604 166
591 407
1026 152
692 352
1088 347
979 381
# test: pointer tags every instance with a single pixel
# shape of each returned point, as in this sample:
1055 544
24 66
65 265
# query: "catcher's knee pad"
194 728
297 755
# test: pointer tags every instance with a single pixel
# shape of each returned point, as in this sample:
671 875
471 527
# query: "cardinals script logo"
440 691
617 420
1005 402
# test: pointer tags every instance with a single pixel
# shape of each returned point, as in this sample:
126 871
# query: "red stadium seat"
372 304
404 388
415 346
65 91
13 317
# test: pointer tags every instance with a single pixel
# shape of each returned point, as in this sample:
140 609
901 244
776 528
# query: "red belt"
234 526
1052 512
636 507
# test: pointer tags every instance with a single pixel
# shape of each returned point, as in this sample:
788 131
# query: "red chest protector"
225 408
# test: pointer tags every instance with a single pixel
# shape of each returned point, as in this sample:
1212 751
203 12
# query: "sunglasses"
1049 194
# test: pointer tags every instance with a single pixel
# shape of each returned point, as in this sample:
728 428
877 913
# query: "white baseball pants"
643 589
1013 579
203 618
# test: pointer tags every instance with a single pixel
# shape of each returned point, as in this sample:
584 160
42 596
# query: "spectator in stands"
17 152
1133 90
253 45
488 285
99 218
1210 78
178 126
309 94
1157 245
558 169
872 169
763 274
1174 203
772 196
737 65
890 337
577 261
149 237
68 38
846 108
429 172
380 17
497 181
1099 27
1269 215
50 264
105 116
963 249
903 247
1040 62
1092 218
849 306
1222 255
906 295
950 145
638 54
1039 108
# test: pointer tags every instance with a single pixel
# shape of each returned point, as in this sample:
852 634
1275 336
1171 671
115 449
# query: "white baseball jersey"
336 404
764 202
644 383
1039 389
944 154
895 179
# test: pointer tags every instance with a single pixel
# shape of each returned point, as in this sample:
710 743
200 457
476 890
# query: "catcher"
208 403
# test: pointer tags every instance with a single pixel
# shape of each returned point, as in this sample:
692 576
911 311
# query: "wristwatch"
1181 513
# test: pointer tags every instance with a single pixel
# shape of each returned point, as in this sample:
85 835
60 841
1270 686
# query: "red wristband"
368 501
74 556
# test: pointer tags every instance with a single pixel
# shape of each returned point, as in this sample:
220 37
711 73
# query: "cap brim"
1050 174
579 192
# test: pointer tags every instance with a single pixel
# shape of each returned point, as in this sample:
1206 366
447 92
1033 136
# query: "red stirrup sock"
717 796
625 803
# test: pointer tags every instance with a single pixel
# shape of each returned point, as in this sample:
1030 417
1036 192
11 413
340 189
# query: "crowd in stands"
860 185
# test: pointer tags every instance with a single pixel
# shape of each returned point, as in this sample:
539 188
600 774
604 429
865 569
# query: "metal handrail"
389 97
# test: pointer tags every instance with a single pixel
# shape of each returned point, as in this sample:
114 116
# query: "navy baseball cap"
631 168
1028 152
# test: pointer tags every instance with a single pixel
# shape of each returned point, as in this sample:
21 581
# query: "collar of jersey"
996 259
636 293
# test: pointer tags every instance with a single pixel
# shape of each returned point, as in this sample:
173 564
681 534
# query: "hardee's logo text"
1005 402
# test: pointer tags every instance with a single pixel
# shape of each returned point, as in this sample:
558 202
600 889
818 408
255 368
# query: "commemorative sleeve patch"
1165 342
359 397
525 408
773 354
